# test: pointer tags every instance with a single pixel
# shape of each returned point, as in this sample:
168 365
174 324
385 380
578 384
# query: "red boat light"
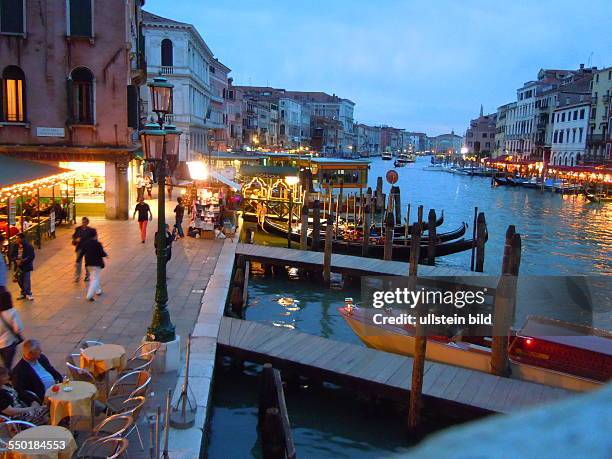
528 341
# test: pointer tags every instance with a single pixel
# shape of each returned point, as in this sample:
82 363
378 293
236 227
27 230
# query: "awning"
15 171
268 171
223 179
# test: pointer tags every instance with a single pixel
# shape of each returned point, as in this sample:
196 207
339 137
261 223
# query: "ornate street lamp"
161 146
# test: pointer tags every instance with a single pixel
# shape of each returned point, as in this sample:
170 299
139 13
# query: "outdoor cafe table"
46 436
77 403
100 359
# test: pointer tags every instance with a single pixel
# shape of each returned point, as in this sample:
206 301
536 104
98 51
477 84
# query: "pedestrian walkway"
61 317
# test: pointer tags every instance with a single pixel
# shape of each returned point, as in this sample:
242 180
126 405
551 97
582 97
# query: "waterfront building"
290 123
570 124
178 52
217 119
235 115
501 128
446 144
480 136
418 141
70 76
391 139
367 140
601 95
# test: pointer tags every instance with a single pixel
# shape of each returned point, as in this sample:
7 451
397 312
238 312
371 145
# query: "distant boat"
387 156
599 197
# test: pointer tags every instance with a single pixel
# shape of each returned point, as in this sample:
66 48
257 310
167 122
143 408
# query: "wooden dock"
345 264
378 373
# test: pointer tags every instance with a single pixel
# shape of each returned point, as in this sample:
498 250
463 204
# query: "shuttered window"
80 18
166 53
12 16
13 95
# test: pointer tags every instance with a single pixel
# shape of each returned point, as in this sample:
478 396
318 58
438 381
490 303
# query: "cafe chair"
80 374
9 428
114 426
133 407
129 385
109 448
142 357
89 343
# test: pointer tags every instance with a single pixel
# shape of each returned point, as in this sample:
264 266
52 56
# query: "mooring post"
474 235
420 218
316 224
290 219
481 237
398 205
338 209
379 194
431 242
407 225
365 241
504 305
304 228
420 340
389 227
329 233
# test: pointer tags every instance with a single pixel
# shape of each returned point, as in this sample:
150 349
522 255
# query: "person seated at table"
12 406
34 372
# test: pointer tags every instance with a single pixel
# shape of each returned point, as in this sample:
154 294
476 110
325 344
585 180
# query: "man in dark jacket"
169 241
81 235
24 263
94 261
34 372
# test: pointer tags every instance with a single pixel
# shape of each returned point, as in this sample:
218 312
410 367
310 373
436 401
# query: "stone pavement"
60 316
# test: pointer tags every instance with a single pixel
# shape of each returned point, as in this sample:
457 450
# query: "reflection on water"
560 234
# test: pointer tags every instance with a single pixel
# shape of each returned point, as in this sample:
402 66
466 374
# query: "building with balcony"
480 136
599 129
290 123
235 115
70 72
178 52
501 128
570 120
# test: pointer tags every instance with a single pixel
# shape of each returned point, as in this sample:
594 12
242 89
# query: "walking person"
94 260
179 210
149 186
24 263
81 236
140 187
144 216
11 328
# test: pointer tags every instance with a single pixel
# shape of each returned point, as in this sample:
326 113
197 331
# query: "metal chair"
109 448
141 359
80 374
114 426
9 428
130 385
89 343
132 407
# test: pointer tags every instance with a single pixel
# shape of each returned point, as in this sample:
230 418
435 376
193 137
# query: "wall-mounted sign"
12 212
50 132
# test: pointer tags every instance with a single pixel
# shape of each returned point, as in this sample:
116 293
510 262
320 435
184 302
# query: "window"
582 114
166 53
575 114
574 135
561 136
82 96
563 116
555 135
80 18
13 95
580 134
484 135
12 17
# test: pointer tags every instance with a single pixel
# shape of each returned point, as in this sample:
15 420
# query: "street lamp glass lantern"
152 139
172 140
161 95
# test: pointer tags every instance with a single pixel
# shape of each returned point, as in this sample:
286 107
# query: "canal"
561 235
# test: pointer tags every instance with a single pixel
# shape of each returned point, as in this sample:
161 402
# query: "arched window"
166 53
13 95
82 95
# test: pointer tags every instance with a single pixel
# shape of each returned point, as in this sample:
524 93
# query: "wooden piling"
398 204
431 243
420 340
304 228
290 219
338 209
329 233
365 242
316 224
407 225
474 224
420 218
505 303
481 236
389 226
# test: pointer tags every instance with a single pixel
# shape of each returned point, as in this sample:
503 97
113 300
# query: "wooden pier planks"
377 370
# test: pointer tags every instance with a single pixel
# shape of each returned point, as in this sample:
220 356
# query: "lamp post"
161 144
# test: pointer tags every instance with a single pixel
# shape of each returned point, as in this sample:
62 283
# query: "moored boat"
544 351
599 197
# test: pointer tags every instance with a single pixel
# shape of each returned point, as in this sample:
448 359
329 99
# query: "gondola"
400 252
598 198
505 181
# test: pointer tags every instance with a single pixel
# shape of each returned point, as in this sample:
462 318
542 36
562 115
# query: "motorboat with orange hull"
572 357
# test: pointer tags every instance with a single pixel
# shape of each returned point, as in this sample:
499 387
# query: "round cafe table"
99 360
77 403
47 435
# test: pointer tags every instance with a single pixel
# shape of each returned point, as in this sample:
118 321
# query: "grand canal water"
561 235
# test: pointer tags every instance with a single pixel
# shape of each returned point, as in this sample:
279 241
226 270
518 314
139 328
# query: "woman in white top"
10 328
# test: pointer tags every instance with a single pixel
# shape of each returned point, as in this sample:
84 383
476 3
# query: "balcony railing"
595 139
605 98
165 70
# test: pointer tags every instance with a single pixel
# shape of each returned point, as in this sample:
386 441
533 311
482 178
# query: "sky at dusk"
418 65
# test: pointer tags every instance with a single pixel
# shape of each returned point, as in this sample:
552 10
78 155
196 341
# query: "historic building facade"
70 75
480 136
601 103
